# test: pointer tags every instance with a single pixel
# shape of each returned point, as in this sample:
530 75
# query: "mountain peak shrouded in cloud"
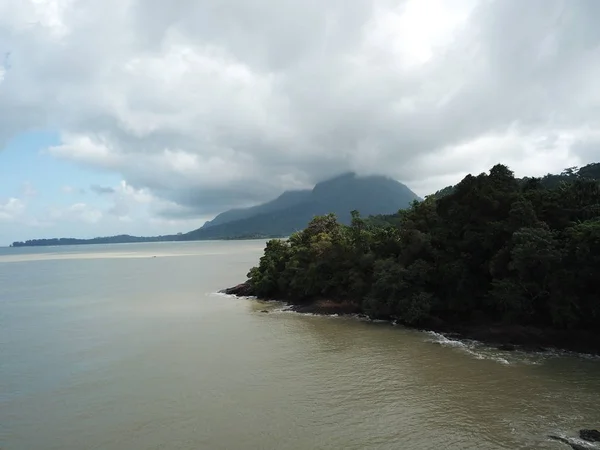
292 211
206 108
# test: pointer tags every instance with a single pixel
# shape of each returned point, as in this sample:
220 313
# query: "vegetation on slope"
288 213
493 250
293 211
284 201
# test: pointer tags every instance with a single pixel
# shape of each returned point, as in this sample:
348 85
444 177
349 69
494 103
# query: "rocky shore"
505 337
586 437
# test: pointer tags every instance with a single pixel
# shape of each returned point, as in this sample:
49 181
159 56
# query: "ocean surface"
130 347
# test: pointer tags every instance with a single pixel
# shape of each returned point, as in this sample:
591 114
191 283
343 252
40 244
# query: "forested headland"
506 259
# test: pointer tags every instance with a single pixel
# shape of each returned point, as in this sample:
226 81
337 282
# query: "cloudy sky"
148 116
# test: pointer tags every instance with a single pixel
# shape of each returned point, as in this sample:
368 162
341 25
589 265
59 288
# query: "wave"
289 310
474 348
223 294
480 350
574 442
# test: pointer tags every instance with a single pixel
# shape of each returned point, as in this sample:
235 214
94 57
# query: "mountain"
284 201
293 210
375 196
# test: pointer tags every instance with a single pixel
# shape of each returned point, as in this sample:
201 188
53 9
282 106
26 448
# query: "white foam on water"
281 308
467 346
565 353
498 359
441 339
568 440
223 294
480 350
476 349
219 294
289 310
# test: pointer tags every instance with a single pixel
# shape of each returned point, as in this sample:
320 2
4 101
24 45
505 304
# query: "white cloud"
202 108
28 190
70 190
414 31
46 14
11 209
126 199
130 193
130 204
86 149
77 212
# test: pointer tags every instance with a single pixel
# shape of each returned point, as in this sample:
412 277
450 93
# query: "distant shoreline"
126 239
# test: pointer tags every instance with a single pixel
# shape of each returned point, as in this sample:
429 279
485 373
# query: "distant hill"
120 239
290 212
375 196
284 201
293 210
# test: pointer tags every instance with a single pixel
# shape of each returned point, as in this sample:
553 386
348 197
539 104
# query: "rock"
574 445
507 347
590 435
241 290
264 311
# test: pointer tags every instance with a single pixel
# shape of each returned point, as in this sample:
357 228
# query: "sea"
131 346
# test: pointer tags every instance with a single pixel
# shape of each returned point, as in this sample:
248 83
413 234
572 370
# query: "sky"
148 117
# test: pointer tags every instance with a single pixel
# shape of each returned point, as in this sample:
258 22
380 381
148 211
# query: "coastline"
504 337
126 239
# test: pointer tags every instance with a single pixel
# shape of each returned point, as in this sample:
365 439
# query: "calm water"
107 347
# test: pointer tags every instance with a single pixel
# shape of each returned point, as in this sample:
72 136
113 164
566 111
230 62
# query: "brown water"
107 347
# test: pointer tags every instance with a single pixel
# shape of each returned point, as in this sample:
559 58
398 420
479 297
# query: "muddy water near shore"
112 347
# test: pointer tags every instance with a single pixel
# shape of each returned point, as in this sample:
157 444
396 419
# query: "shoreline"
502 336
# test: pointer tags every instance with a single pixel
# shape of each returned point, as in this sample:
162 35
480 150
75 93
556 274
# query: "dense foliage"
492 248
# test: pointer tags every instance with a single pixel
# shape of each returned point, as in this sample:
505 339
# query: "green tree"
491 248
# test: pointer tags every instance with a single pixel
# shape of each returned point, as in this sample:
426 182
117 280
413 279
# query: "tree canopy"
492 248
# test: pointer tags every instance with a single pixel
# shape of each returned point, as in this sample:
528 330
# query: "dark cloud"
587 150
211 105
177 212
